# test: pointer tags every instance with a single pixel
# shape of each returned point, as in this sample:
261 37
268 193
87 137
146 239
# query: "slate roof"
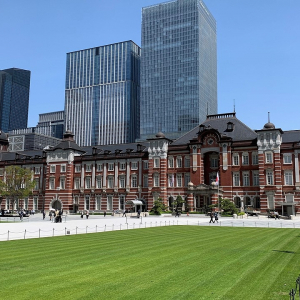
291 136
241 132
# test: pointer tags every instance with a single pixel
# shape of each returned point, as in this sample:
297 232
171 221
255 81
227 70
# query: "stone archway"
171 203
237 202
56 204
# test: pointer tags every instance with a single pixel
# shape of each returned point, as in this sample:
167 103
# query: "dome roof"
269 125
160 135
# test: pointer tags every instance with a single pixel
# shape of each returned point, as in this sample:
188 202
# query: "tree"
178 202
17 184
158 207
228 207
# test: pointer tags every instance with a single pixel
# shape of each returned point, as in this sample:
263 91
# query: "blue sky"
258 50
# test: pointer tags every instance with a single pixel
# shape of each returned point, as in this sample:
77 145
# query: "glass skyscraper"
102 104
178 67
14 98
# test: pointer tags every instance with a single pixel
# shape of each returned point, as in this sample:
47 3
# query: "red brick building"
255 169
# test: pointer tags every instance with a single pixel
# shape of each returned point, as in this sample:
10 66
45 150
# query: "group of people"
56 215
214 217
87 214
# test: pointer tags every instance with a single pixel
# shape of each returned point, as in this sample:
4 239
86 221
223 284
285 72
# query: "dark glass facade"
178 67
14 98
102 103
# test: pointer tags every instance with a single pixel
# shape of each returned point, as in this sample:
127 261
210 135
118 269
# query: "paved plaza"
35 227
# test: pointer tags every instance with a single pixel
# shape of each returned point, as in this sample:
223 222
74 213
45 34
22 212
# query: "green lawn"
173 262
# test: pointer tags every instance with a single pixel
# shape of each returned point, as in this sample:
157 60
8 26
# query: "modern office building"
51 124
102 94
14 98
178 67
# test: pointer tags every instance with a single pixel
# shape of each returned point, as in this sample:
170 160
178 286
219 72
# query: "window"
288 178
146 165
1 172
122 182
87 202
109 202
76 183
245 159
145 180
171 162
35 203
110 182
26 203
99 182
122 166
270 177
214 161
99 167
134 165
111 166
37 170
134 181
179 162
62 182
254 158
269 157
63 168
171 180
186 161
87 182
289 198
36 184
155 180
98 203
255 178
122 202
51 183
156 163
187 179
88 168
77 169
179 180
236 179
52 169
246 179
287 158
271 204
235 159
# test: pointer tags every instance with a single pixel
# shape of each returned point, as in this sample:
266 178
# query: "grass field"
174 262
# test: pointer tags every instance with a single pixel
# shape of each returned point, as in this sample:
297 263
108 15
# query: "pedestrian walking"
81 215
212 218
105 213
50 215
87 213
44 215
216 217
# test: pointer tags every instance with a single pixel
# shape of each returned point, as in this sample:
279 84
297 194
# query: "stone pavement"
36 227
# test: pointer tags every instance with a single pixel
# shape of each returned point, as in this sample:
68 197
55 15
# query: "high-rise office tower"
14 98
51 124
178 67
102 94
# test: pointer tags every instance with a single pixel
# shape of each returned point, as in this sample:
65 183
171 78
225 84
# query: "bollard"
220 223
120 226
198 223
76 229
268 225
113 227
86 229
105 227
243 224
187 222
177 222
53 232
294 225
127 225
281 225
165 223
65 230
145 224
39 233
96 228
231 224
8 235
24 233
133 225
169 223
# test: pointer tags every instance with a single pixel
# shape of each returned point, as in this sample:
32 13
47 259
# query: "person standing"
50 215
81 215
87 214
44 215
105 213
